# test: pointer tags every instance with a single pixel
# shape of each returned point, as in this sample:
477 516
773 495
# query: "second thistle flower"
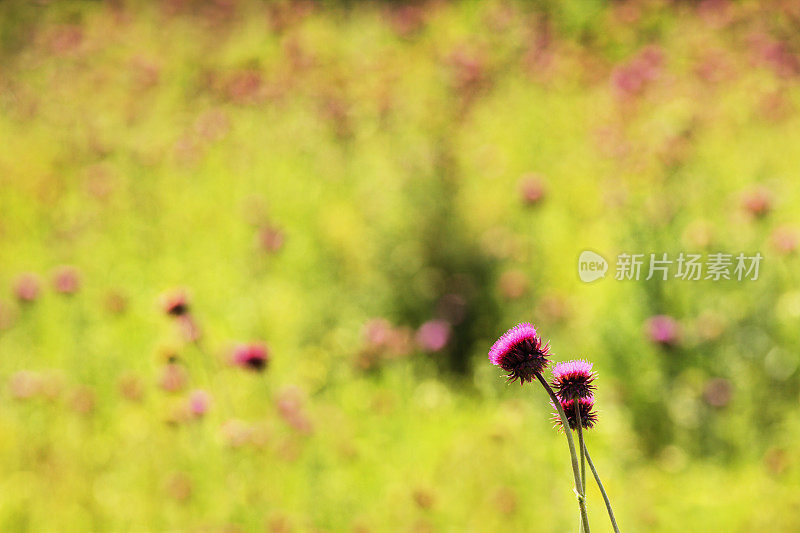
573 380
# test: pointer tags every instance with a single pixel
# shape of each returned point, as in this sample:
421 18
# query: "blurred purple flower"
199 403
663 330
271 239
774 54
631 78
175 302
252 356
27 288
757 202
520 352
532 189
66 280
433 335
376 332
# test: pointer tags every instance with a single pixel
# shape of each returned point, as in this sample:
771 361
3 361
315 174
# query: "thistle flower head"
757 202
573 380
520 352
253 356
532 189
588 414
663 330
433 335
199 403
175 303
66 280
27 288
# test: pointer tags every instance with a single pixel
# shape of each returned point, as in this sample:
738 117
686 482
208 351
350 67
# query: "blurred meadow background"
353 200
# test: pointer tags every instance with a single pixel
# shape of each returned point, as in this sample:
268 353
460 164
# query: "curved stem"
602 490
573 455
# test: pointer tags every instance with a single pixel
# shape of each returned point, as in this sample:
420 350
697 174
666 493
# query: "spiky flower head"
588 414
573 379
520 352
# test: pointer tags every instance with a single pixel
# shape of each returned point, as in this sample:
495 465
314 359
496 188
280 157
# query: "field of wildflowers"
254 256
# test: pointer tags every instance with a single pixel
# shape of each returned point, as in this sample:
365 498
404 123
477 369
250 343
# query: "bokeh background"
370 194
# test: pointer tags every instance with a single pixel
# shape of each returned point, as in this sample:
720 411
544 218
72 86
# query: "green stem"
207 363
581 445
602 490
575 471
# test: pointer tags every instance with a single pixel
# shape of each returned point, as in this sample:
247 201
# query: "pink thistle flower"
663 330
253 356
531 189
588 414
573 380
520 352
630 79
757 202
175 303
66 280
433 335
27 288
377 332
271 239
199 403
